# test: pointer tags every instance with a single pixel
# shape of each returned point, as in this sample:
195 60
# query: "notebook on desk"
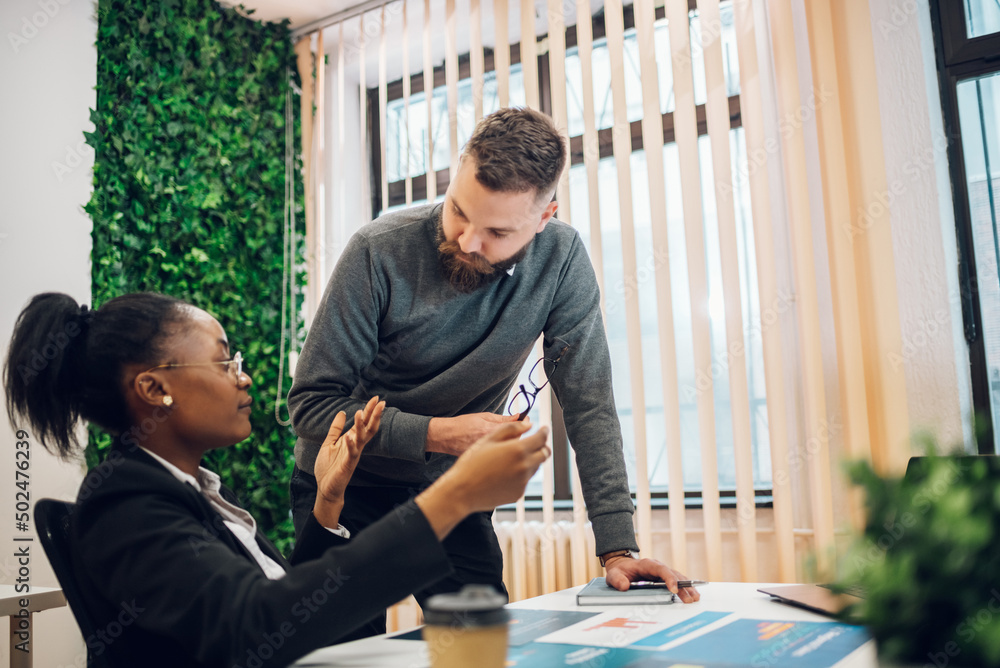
819 597
598 592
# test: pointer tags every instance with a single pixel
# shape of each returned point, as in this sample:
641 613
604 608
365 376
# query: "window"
982 17
968 38
613 264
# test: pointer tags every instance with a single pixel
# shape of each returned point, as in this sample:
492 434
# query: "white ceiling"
367 42
300 12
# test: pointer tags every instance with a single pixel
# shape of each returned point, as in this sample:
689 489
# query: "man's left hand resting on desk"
620 572
337 458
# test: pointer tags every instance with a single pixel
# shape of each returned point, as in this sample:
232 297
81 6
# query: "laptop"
819 597
815 597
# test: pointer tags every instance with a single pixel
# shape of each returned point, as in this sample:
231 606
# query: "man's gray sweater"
391 325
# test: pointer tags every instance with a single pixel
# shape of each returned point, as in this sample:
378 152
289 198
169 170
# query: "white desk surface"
40 598
741 598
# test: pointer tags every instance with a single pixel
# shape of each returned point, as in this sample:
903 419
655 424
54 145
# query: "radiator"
538 558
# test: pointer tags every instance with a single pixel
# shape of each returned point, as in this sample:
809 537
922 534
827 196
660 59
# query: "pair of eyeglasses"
233 366
522 402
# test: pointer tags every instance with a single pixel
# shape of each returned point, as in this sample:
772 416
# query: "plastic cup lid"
474 605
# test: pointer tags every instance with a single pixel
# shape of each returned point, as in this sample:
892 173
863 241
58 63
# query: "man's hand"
621 571
455 435
337 458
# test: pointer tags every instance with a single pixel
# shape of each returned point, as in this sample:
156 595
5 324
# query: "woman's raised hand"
338 456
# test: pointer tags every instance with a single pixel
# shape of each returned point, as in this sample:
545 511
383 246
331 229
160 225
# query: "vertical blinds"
682 172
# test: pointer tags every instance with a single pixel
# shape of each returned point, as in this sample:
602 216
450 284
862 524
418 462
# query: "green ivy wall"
189 188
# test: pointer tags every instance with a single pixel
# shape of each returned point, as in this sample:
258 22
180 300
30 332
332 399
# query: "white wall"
934 354
47 73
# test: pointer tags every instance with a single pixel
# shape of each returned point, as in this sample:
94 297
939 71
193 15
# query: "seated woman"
166 554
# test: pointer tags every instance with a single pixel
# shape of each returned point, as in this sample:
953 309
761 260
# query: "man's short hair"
517 150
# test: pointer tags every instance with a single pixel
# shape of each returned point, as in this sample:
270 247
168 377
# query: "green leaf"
189 117
928 561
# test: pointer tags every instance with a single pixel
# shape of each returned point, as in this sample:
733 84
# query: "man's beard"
474 271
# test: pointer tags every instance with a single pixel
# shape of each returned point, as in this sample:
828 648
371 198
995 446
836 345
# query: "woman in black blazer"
174 570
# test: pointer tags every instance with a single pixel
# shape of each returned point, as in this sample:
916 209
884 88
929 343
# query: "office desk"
724 597
40 598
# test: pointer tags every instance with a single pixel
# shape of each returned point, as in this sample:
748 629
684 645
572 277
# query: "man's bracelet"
605 558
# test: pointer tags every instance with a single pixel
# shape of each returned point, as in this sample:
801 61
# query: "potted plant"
929 562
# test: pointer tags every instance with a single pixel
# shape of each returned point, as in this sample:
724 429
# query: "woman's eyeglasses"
522 402
233 366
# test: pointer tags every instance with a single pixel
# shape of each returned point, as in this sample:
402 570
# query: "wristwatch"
604 558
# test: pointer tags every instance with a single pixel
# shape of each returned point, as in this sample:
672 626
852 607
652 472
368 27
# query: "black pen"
648 584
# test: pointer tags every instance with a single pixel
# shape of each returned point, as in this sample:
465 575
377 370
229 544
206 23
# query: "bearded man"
436 310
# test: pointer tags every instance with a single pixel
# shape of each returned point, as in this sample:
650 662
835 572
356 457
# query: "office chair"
53 520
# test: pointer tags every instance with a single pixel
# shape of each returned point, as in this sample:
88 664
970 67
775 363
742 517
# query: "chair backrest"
53 521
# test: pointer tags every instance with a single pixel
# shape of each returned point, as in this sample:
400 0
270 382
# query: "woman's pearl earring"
168 401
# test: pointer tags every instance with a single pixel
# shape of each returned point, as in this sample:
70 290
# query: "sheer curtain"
724 236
